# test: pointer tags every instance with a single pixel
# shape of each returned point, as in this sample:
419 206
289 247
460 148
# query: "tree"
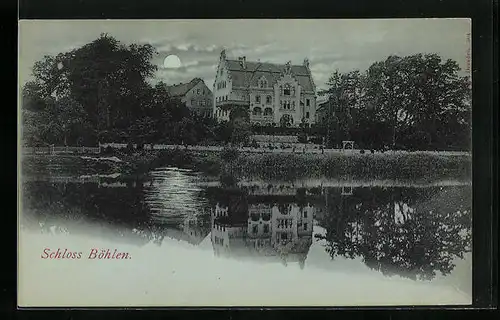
345 95
241 131
412 102
105 78
413 94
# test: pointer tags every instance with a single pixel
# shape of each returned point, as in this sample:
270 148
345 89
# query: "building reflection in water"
412 232
262 230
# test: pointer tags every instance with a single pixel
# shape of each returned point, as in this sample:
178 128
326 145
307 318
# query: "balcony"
232 103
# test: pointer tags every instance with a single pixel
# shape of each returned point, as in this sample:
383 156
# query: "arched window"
269 99
257 111
268 112
293 91
281 90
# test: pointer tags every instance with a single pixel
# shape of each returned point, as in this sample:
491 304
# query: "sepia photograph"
244 163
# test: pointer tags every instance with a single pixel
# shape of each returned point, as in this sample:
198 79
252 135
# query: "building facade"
283 95
195 94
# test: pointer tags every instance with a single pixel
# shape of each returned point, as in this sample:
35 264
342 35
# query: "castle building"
195 94
279 94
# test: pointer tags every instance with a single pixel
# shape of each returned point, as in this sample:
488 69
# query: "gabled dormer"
262 82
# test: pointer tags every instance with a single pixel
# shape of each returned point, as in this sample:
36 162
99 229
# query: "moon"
172 62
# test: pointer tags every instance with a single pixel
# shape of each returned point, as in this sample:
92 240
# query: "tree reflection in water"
410 232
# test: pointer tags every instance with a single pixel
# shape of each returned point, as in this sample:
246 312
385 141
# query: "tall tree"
415 96
345 95
104 78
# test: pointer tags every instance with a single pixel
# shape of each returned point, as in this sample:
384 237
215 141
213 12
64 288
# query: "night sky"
328 44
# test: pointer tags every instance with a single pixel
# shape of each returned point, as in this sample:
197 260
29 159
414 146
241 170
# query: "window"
286 92
203 91
193 102
266 228
308 102
284 236
257 99
226 98
293 91
254 229
262 83
293 105
197 91
307 115
268 112
305 214
269 99
305 226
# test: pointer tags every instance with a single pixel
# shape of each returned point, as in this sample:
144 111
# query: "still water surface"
417 232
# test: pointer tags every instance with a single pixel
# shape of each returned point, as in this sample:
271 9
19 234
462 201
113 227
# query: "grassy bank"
354 166
289 166
412 166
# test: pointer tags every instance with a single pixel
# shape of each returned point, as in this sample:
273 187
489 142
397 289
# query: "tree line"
415 102
101 92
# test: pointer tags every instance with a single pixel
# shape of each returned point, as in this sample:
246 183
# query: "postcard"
249 163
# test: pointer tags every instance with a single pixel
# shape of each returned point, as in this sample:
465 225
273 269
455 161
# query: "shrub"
130 148
229 154
254 144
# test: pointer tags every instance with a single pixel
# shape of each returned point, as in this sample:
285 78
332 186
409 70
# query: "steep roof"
253 71
182 88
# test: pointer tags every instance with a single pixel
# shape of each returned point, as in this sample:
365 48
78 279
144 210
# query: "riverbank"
423 166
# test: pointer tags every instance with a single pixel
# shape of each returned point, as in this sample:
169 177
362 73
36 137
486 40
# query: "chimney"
306 63
243 61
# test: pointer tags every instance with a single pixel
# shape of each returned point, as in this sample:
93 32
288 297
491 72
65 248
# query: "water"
417 232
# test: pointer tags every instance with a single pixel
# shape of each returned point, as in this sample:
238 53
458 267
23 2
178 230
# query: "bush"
229 153
255 144
302 137
108 150
130 148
